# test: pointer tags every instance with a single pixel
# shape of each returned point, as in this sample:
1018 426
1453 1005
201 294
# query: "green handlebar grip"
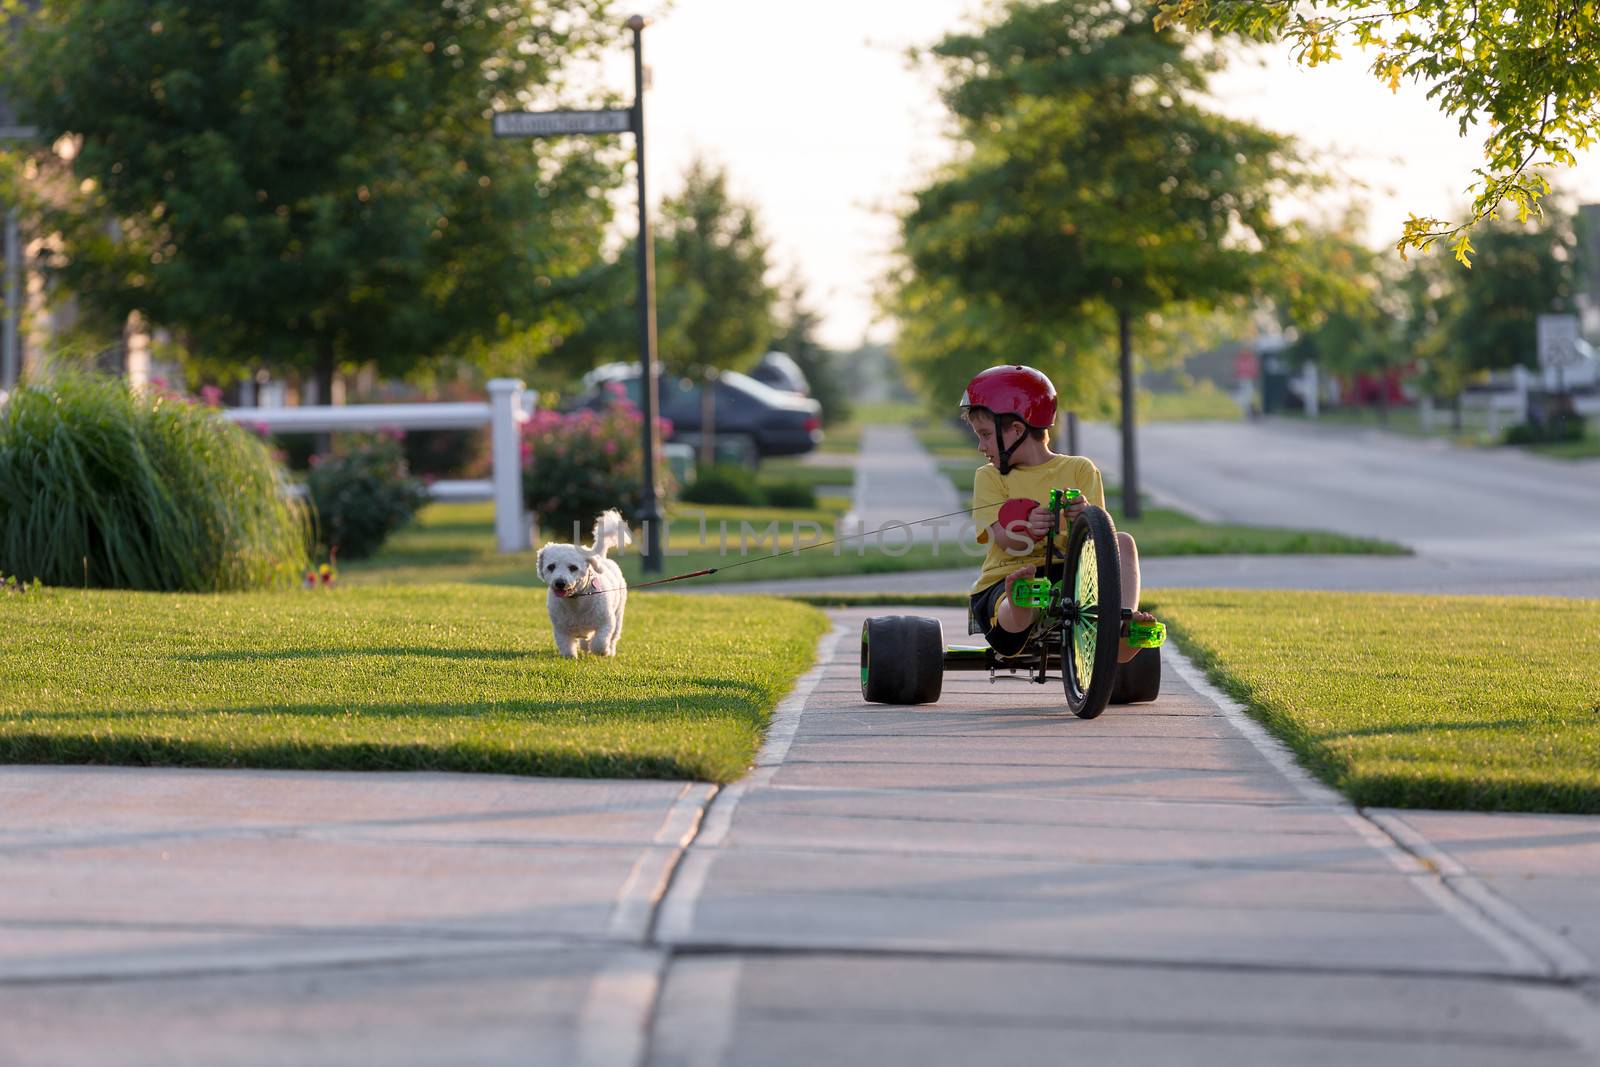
1146 634
1031 593
1059 498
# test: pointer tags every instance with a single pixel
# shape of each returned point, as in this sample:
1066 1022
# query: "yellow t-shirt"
990 490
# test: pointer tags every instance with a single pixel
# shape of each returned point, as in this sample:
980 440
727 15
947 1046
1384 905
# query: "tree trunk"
1130 451
325 364
708 418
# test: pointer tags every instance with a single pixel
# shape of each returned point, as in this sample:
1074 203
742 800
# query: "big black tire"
902 659
1139 679
1091 607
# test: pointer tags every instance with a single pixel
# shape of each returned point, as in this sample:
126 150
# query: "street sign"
1558 340
556 123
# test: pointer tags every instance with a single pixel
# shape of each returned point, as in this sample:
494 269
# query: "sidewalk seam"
1565 959
679 907
1524 943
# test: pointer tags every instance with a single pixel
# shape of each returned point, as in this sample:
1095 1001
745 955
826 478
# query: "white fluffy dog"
587 590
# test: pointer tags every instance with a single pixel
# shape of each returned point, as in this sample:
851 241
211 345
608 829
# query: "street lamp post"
646 264
566 122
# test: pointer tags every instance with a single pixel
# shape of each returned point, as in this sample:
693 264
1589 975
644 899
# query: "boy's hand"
1040 521
1072 511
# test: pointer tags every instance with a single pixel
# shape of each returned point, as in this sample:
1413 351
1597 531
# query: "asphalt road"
1489 520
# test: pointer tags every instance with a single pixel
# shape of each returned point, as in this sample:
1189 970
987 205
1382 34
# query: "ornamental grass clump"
575 466
109 487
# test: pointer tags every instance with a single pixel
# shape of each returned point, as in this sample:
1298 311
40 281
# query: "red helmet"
1014 390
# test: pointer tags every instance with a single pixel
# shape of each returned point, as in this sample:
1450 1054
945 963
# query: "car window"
762 392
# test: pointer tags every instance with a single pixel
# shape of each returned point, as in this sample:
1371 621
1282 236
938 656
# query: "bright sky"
824 126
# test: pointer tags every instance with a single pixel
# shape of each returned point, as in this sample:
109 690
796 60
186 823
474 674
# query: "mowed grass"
455 543
1480 703
457 678
1587 448
1201 400
1169 532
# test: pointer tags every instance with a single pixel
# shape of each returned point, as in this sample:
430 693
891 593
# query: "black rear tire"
1139 679
902 659
1091 606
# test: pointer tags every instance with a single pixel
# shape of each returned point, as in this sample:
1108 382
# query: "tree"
1095 184
797 326
1491 314
712 265
1529 72
1345 307
309 185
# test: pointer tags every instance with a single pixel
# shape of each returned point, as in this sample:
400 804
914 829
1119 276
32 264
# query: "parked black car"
781 372
751 419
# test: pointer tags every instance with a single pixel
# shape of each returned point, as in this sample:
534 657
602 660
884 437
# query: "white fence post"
505 452
1425 412
1310 388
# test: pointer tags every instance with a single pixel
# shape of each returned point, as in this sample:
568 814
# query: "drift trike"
904 657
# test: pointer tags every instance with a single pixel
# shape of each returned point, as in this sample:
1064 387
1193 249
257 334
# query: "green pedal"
1031 592
1146 634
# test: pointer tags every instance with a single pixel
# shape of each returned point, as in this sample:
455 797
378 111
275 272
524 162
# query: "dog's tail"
609 532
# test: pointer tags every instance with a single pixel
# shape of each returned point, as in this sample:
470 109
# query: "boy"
1011 410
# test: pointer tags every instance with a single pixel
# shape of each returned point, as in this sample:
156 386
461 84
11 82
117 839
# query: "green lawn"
1201 400
788 471
458 678
1479 703
1588 448
1167 532
455 543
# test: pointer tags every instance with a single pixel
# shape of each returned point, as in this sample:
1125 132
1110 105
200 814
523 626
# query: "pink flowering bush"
574 466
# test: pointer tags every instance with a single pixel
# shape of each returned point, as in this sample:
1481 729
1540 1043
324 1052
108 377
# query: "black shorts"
983 607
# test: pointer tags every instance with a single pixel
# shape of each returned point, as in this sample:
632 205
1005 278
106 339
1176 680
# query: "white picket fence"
503 413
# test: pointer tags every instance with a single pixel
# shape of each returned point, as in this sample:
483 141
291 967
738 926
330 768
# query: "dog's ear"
538 561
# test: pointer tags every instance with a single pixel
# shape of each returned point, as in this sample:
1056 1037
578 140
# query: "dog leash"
790 552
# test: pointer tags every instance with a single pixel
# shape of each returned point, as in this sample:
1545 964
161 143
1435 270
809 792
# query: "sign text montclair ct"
556 123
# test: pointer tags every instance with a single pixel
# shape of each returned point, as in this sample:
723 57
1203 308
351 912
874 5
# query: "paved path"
982 880
898 483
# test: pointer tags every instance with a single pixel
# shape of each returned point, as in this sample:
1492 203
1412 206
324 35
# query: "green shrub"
788 494
1557 430
362 493
118 489
725 484
574 466
728 484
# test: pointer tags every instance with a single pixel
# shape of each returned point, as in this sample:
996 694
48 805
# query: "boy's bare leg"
1012 618
1129 555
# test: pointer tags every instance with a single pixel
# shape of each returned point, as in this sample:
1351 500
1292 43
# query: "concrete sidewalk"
986 879
899 483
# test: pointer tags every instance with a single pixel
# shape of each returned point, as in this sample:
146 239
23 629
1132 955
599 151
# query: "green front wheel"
1091 612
